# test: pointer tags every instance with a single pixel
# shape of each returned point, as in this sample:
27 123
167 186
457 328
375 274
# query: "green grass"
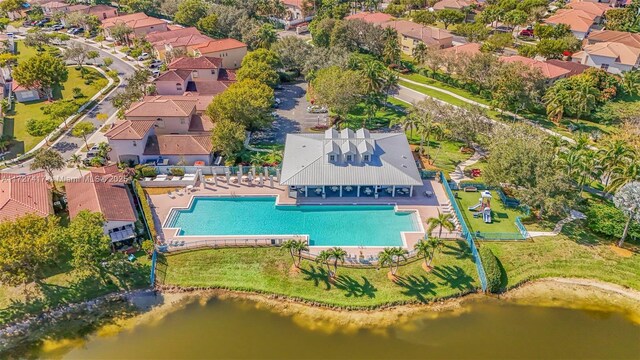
15 121
433 82
267 270
502 218
64 285
574 254
383 118
445 154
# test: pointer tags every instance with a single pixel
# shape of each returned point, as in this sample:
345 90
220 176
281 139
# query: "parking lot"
292 115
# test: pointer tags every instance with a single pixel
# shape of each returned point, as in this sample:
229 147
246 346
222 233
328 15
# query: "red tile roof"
201 62
24 194
219 45
134 21
183 144
428 35
627 38
548 70
167 35
174 75
375 18
162 108
130 130
202 101
577 20
467 49
102 190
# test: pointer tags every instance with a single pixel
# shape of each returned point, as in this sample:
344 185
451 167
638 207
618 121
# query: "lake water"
326 225
235 329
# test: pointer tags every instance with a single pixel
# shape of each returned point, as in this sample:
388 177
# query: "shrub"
146 209
148 171
147 246
606 219
491 269
176 171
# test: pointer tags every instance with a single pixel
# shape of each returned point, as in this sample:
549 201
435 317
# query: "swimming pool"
326 225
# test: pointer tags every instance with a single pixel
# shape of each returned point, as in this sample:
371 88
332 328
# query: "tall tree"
41 72
442 221
338 89
190 12
627 199
88 242
450 16
48 160
228 138
247 102
82 129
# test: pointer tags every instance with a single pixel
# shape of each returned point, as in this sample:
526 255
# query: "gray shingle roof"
306 160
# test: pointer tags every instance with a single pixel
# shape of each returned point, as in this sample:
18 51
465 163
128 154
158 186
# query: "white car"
316 109
155 73
143 56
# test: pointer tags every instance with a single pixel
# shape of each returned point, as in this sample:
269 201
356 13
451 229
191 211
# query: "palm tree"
588 168
295 248
420 53
410 123
583 97
391 257
265 36
372 72
103 150
631 82
555 101
323 258
441 221
423 249
259 158
627 200
613 155
76 161
338 254
434 244
623 174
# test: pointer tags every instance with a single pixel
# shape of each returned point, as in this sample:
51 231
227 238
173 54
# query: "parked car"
71 30
57 27
156 62
143 56
316 109
155 73
276 102
526 32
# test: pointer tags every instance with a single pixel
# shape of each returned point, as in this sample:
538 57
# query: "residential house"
349 163
6 81
468 49
21 195
579 21
622 37
574 68
104 190
550 71
411 34
102 12
596 10
53 7
175 40
375 18
297 12
23 94
140 23
168 129
203 75
464 6
231 51
613 57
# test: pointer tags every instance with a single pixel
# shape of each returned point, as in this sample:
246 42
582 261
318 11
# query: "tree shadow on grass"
454 277
416 286
317 275
353 288
580 234
459 249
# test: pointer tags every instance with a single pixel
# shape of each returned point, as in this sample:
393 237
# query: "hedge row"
146 210
491 269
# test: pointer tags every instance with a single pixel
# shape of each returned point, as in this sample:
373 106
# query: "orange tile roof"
627 38
202 101
574 67
129 130
134 21
24 194
219 45
174 75
577 20
191 63
622 53
102 190
182 144
467 49
548 70
428 34
452 4
162 108
375 18
594 9
168 35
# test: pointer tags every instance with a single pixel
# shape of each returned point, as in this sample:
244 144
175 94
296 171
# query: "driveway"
292 115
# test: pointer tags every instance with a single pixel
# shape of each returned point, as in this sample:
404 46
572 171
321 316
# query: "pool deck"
427 207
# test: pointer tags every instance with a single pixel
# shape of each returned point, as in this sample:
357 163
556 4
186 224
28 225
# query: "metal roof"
306 160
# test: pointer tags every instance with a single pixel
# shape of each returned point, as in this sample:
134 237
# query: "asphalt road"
67 144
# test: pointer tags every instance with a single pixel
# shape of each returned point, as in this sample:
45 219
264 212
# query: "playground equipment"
484 206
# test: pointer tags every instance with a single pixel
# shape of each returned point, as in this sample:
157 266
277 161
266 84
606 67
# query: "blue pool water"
326 225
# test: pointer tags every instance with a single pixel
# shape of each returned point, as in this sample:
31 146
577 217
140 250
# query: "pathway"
573 215
458 174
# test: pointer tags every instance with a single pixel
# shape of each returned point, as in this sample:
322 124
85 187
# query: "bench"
470 189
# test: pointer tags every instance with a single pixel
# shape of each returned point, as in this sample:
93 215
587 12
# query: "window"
135 143
160 123
332 158
213 72
194 74
182 121
604 67
349 157
366 158
178 86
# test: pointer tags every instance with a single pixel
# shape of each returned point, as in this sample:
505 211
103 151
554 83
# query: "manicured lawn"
65 285
574 254
433 82
502 218
268 270
15 121
383 118
445 154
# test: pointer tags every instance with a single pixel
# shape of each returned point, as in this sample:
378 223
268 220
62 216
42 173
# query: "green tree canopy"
87 240
190 12
450 16
246 102
339 90
228 137
41 72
